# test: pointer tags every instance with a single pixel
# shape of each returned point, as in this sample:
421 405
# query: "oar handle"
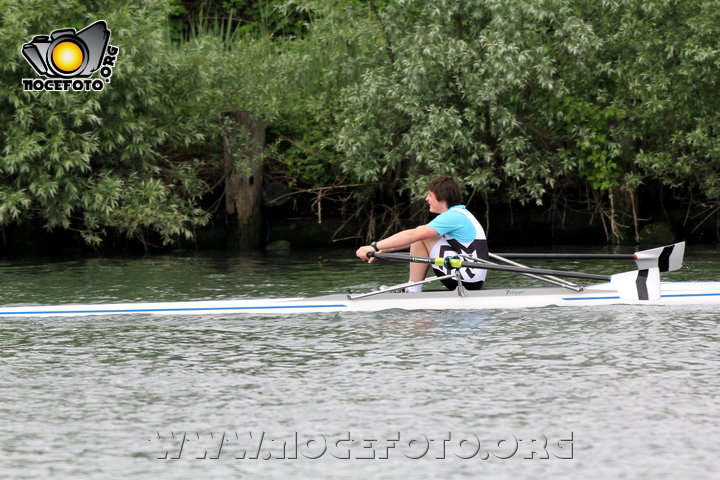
401 257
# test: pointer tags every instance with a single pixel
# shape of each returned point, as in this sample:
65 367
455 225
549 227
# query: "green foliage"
294 83
100 161
518 99
464 91
666 78
590 127
276 18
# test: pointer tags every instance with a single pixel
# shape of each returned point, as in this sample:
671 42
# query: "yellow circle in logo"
67 56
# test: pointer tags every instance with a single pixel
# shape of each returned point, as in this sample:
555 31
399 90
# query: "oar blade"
638 284
666 259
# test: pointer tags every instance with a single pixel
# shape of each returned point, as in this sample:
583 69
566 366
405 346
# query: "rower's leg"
418 271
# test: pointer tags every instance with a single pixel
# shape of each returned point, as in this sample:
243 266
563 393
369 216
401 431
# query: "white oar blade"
638 284
666 259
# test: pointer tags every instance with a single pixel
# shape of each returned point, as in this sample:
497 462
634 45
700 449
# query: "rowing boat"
636 287
671 293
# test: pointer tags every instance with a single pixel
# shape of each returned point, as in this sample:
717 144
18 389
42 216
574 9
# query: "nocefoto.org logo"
68 58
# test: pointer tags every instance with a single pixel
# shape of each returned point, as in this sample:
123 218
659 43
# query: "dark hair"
446 189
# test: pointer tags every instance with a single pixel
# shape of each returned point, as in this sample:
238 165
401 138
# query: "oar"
666 259
570 256
544 278
449 262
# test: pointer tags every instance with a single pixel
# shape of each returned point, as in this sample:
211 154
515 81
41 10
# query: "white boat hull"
671 293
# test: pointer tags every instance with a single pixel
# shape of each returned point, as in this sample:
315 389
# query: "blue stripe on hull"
691 295
151 310
661 296
592 298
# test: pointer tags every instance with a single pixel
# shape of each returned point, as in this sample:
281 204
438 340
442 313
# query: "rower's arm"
406 238
398 241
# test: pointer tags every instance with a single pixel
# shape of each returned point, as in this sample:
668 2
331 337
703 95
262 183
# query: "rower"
454 231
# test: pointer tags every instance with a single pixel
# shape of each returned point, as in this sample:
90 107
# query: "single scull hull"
671 293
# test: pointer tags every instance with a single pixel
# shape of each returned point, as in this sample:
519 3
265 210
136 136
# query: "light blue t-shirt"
455 224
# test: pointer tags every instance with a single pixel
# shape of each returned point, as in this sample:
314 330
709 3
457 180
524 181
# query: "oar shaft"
570 256
545 278
457 263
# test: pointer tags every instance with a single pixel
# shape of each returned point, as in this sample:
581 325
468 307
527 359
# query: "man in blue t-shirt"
454 231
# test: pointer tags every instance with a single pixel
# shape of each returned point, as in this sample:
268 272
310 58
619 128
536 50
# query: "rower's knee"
417 249
420 249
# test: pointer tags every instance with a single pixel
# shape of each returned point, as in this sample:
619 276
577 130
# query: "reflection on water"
634 388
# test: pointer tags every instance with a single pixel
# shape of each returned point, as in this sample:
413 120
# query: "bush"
104 162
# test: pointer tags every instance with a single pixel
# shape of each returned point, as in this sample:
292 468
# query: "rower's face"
436 206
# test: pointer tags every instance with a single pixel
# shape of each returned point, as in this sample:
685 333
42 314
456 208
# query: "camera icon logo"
67 54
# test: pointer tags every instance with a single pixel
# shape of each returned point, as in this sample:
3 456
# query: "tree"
522 100
109 161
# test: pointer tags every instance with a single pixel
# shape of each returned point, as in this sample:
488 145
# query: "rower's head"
443 193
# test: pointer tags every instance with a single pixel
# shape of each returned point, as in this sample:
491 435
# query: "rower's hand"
362 254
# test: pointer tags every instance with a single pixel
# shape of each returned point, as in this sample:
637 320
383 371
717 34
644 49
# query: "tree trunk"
245 139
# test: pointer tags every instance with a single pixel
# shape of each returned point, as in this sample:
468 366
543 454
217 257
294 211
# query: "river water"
621 392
